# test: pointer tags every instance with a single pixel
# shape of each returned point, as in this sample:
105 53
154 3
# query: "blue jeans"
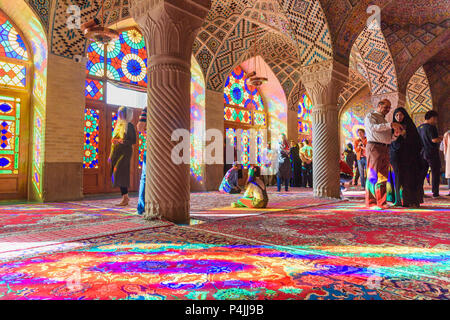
362 167
141 201
279 181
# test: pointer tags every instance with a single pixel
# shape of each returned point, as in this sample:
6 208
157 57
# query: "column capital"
324 80
170 26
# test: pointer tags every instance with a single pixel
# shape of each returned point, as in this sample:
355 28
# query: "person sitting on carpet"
230 181
346 174
255 195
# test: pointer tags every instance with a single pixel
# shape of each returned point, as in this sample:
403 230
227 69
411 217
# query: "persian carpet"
170 264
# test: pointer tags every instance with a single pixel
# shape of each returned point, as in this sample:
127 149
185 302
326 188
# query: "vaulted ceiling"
290 34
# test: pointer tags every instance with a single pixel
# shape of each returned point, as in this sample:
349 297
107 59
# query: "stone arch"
28 22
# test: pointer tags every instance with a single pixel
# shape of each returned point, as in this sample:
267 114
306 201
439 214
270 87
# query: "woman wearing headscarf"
284 163
404 187
255 195
124 136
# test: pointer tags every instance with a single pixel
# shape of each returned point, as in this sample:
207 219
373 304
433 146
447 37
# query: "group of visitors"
391 161
399 156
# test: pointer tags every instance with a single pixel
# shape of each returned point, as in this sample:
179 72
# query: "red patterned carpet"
298 248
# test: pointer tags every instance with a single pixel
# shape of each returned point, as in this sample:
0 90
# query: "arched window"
14 94
117 75
304 117
243 111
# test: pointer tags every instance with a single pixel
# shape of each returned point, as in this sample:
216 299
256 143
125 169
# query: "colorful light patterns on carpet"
9 134
91 138
11 42
399 254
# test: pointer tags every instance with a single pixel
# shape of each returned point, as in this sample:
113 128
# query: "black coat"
121 158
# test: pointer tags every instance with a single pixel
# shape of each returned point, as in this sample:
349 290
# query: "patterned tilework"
116 10
42 9
296 93
410 42
357 63
378 61
66 42
354 84
269 14
231 51
311 31
418 94
225 9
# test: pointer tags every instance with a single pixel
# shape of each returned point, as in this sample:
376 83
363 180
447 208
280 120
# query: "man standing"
430 139
306 157
360 144
380 134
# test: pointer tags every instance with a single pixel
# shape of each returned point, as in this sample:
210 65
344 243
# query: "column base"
174 212
325 192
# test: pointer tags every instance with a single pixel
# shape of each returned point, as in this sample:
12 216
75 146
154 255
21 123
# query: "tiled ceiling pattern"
378 61
42 9
69 42
355 83
279 52
115 10
410 42
310 28
418 93
230 52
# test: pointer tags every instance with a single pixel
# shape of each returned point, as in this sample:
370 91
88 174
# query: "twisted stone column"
169 28
323 82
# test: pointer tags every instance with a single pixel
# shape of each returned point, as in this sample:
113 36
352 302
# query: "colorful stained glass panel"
259 118
127 58
304 115
11 43
238 92
91 138
237 115
94 89
12 74
9 134
96 59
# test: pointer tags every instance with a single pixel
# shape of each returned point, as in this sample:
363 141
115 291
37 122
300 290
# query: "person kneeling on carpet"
230 180
255 195
346 174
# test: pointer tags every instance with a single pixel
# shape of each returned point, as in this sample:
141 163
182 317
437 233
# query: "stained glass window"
259 118
94 89
11 43
127 58
238 92
96 59
113 121
9 134
237 115
304 115
91 131
37 155
12 74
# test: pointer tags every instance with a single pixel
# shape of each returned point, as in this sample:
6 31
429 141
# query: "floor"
297 248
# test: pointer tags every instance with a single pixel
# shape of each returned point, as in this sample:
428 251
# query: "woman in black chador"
405 188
